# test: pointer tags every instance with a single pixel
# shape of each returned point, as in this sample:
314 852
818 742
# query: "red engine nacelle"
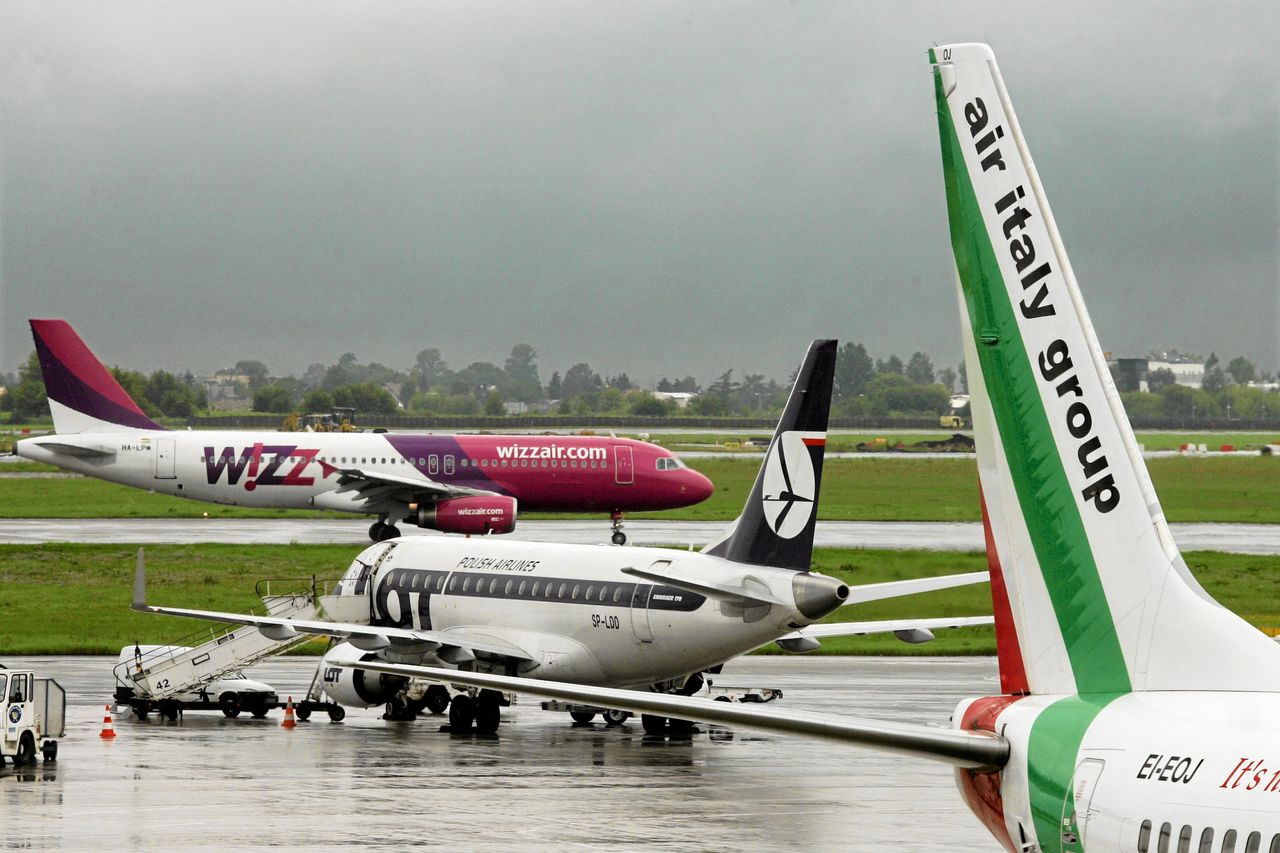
480 514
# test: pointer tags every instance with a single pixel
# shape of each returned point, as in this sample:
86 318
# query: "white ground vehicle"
34 712
230 693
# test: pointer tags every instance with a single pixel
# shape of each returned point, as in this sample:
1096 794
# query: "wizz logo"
262 463
789 484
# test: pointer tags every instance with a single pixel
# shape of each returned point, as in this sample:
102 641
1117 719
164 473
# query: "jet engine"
474 514
357 688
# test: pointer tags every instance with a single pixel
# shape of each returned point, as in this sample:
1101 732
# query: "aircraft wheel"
653 724
680 728
381 532
461 714
582 716
437 699
488 712
615 718
619 538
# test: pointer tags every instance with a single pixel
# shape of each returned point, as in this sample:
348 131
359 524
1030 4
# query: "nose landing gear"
619 538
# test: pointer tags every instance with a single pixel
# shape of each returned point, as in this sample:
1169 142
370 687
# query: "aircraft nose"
698 487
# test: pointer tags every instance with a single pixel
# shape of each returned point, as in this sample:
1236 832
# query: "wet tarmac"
207 782
930 535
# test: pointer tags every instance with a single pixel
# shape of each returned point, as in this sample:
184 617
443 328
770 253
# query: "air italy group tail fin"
776 525
83 395
1091 593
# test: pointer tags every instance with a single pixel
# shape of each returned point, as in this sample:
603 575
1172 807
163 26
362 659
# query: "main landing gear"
481 713
381 531
619 538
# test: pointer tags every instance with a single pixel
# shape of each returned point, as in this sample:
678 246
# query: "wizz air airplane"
645 618
450 483
1136 713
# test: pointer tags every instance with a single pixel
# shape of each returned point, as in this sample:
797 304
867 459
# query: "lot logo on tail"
788 494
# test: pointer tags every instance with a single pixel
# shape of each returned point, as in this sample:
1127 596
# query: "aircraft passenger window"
1206 840
453 583
440 584
563 587
523 586
1229 841
1275 844
504 463
573 464
1184 839
524 463
590 590
506 590
544 463
448 464
1162 842
433 463
617 595
1254 842
415 580
466 585
1144 837
484 463
574 594
493 586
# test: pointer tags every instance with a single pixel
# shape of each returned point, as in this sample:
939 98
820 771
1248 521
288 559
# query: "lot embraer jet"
1137 713
648 618
451 483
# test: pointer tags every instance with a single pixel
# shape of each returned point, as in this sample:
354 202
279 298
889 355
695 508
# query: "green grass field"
1207 489
74 599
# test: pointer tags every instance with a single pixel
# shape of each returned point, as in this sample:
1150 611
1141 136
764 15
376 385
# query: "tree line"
864 387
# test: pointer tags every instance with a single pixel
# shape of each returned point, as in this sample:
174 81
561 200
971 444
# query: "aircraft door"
624 466
1076 811
640 612
164 459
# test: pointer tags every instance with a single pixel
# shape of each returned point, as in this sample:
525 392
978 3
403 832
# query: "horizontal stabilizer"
721 592
824 630
915 586
80 451
973 750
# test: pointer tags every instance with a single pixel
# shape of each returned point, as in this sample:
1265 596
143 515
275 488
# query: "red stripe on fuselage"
1013 674
815 442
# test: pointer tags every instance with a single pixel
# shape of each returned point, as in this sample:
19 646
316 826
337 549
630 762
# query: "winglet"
140 583
776 525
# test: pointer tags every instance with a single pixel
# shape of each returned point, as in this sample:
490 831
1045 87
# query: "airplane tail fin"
83 395
1095 595
776 525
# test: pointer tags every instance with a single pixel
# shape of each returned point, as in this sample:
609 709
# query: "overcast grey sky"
661 187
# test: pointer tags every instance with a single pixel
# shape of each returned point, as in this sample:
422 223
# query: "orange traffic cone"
288 721
108 730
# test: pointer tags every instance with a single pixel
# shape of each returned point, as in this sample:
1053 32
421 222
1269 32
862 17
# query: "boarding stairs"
199 659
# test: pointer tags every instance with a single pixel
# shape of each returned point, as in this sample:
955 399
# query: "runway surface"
209 783
948 536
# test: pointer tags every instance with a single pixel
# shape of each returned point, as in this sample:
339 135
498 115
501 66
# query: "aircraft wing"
457 645
968 749
894 589
379 489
